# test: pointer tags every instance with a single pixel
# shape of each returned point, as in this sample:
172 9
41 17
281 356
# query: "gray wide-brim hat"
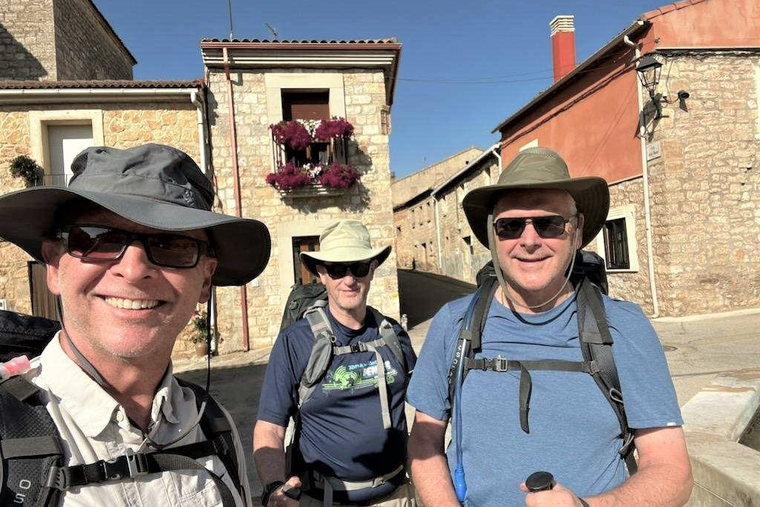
346 241
152 185
540 168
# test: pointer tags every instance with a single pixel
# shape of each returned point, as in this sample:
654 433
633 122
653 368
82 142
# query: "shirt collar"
87 402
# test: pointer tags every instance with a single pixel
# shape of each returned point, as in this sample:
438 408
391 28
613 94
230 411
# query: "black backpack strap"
471 332
29 446
596 345
132 465
217 428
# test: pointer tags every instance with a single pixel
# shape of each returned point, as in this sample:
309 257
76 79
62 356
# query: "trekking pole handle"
540 481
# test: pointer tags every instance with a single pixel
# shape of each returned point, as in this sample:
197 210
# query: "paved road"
697 350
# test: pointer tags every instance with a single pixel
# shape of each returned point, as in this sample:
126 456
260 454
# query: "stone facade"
86 46
462 255
360 96
418 182
124 125
27 40
59 40
705 186
432 233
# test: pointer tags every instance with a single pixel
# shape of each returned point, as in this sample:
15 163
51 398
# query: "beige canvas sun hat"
345 242
540 168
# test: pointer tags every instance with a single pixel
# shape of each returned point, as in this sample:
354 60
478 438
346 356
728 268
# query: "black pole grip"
540 481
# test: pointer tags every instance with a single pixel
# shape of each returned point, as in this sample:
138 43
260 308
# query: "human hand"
558 496
280 499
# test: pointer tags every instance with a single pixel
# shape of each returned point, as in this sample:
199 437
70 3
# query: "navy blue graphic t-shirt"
342 431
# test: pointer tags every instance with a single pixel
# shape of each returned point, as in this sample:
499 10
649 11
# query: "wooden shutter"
305 105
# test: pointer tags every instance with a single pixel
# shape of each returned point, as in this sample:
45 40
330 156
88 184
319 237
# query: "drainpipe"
438 235
495 149
198 103
236 187
645 173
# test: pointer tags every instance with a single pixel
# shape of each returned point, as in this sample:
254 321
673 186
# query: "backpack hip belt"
331 484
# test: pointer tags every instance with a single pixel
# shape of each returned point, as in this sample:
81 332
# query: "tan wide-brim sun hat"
346 241
540 168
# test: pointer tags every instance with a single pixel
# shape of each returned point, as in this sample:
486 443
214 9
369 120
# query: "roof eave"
467 168
630 30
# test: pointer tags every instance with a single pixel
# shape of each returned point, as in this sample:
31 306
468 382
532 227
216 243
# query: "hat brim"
344 255
242 245
591 195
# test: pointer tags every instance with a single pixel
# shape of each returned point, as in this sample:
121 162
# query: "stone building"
680 155
254 84
414 214
432 233
59 40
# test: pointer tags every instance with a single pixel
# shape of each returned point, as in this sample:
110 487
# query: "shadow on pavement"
422 294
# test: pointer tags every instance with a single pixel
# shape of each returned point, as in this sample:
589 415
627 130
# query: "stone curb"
725 472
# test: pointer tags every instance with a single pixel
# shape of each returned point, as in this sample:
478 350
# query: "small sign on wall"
653 150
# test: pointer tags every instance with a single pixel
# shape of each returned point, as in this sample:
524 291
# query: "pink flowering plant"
292 134
331 129
335 175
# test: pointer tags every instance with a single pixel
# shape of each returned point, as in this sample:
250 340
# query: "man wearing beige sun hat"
524 369
340 373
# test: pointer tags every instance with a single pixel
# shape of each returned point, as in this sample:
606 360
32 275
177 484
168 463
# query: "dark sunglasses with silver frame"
549 226
98 243
337 271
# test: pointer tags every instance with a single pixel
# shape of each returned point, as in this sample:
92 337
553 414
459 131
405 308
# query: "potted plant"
199 324
27 169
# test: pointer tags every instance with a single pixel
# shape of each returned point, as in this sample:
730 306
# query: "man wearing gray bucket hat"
524 369
131 248
340 374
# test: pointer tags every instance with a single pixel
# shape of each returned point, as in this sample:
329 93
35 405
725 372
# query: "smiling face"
125 308
534 267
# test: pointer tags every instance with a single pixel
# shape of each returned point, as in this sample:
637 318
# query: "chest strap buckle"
500 364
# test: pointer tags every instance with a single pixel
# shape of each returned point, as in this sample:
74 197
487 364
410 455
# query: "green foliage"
26 168
200 328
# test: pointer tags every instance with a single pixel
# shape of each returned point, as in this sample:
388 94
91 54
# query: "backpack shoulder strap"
471 331
596 345
321 351
30 446
218 430
387 333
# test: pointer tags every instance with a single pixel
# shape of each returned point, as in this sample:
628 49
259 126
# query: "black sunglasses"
96 243
358 269
551 226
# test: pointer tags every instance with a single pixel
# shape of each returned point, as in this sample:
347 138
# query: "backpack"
32 471
300 299
590 280
322 352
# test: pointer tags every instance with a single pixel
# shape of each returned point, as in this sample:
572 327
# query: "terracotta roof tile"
52 85
388 40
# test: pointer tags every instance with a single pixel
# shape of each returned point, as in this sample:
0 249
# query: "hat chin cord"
500 276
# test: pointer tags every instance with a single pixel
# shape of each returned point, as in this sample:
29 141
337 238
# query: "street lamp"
649 69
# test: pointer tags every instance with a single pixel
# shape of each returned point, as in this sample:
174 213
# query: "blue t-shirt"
574 433
342 431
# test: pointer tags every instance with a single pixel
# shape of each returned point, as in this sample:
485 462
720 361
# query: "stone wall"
369 202
632 285
124 125
705 186
427 178
462 253
27 40
85 47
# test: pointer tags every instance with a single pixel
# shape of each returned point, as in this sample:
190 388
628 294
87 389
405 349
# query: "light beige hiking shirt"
93 426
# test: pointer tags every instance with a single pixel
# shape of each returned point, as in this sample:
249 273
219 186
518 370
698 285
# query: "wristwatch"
268 490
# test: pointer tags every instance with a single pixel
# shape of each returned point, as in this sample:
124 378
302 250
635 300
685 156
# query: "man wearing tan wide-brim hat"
539 371
340 373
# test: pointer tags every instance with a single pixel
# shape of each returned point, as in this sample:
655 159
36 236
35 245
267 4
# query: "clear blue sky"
465 65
